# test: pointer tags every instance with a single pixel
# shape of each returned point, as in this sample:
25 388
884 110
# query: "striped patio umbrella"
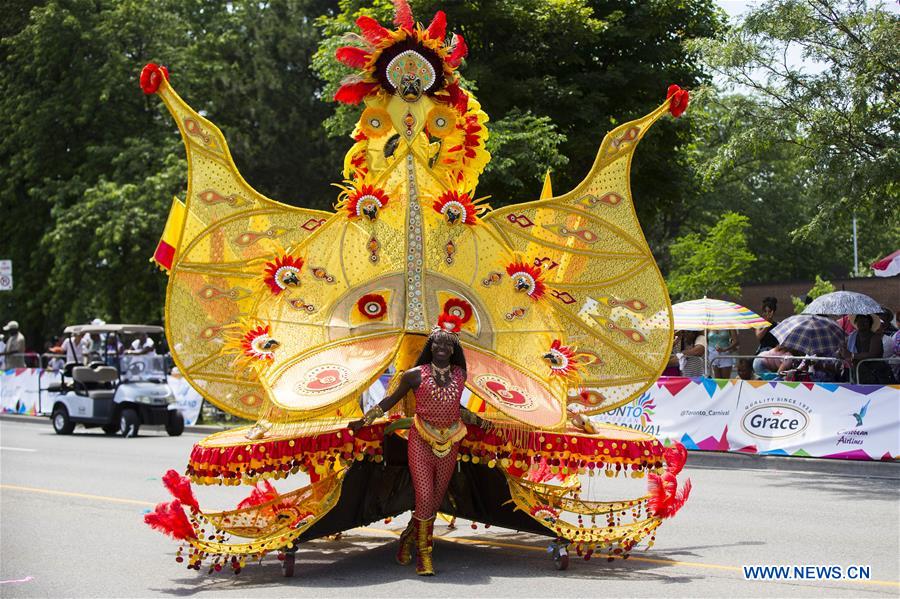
711 314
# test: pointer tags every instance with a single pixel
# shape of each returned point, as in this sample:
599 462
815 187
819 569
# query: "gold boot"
407 542
424 532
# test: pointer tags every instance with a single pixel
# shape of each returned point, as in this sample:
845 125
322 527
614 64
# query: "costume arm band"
372 414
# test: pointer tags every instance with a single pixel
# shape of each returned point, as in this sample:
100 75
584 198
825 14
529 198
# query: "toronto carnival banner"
854 422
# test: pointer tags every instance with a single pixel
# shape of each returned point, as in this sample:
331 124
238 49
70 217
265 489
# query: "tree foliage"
838 109
713 263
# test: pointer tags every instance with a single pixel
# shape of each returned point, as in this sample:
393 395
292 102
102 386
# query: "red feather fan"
352 57
353 93
457 98
372 29
665 498
676 456
170 519
180 488
438 28
403 16
261 493
460 50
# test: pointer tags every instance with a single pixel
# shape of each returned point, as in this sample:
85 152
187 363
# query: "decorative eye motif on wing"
527 279
283 272
372 306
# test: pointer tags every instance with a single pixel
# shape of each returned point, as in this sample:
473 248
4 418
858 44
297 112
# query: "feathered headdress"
411 60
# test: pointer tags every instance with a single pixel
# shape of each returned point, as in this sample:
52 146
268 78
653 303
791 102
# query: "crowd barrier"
826 420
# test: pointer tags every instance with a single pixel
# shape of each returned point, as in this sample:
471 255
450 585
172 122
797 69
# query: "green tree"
713 263
89 164
776 187
839 108
820 287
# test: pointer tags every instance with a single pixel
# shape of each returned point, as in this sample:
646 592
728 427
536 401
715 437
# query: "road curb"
721 459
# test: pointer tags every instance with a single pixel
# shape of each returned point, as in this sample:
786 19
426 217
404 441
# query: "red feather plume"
371 29
353 93
261 493
403 16
352 57
460 50
680 99
170 519
665 498
438 28
676 456
180 488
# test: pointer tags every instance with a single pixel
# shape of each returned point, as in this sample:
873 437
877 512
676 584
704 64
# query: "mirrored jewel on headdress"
410 74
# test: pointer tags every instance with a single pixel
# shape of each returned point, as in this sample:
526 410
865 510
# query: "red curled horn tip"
151 76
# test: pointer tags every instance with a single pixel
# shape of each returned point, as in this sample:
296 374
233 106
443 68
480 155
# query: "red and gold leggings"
430 474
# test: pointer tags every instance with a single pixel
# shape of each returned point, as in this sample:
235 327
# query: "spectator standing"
691 351
721 345
15 346
2 354
765 337
868 345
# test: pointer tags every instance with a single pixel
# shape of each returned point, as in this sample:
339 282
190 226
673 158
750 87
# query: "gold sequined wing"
601 282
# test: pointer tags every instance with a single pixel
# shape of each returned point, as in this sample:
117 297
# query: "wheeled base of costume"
363 478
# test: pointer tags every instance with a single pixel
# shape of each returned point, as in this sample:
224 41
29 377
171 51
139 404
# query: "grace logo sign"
774 421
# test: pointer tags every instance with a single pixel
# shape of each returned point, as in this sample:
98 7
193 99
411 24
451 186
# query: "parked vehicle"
120 393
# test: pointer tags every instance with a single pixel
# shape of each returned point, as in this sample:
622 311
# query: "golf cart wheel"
110 429
62 424
129 423
175 424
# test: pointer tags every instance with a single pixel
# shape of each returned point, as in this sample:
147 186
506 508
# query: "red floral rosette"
372 306
459 308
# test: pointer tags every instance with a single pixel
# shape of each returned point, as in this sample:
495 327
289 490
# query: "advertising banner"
19 390
857 422
186 398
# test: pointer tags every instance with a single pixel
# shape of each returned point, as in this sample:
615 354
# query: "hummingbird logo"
862 413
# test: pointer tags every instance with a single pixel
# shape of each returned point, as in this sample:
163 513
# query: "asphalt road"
71 524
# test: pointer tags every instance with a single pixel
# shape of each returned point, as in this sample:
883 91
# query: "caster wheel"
287 565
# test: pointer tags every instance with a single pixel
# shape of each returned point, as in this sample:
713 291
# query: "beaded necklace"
447 392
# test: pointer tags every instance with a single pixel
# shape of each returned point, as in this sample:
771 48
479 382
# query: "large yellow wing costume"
284 314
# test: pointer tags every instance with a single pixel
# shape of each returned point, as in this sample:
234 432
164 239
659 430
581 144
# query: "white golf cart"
118 393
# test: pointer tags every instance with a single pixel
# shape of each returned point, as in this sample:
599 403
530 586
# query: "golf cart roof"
121 329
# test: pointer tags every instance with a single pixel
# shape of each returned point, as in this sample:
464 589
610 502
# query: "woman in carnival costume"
284 316
437 380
